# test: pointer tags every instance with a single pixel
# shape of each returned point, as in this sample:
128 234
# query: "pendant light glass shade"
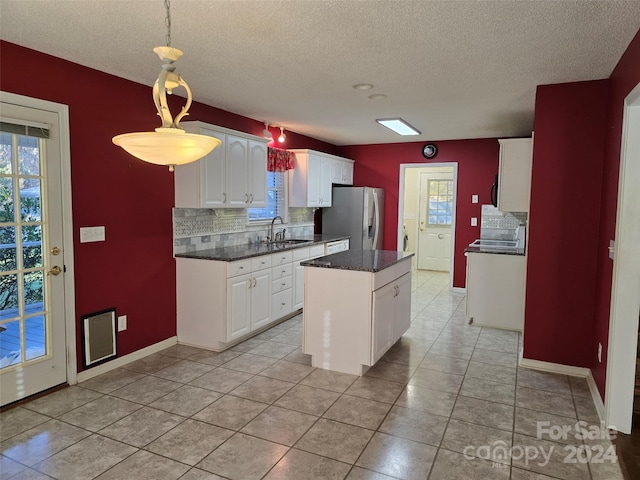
169 145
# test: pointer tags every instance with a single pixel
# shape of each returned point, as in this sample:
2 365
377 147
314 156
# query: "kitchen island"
357 304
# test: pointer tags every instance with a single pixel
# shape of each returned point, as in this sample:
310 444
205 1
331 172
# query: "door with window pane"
436 216
32 323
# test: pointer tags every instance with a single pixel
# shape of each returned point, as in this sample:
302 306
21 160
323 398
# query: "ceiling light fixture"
398 125
168 145
282 136
363 86
266 133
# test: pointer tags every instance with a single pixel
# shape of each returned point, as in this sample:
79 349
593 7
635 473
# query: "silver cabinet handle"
249 282
251 198
224 197
246 198
255 282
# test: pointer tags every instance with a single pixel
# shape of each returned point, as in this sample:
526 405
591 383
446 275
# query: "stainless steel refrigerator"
357 212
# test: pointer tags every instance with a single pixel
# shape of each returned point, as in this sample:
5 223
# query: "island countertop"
240 252
359 260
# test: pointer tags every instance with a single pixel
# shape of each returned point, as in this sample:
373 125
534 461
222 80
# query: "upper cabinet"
514 174
233 175
312 176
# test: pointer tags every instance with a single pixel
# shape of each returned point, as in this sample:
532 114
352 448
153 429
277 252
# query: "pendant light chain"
167 21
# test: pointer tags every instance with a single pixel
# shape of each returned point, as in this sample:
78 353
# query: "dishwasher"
336 246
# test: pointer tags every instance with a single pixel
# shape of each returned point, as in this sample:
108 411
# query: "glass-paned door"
32 328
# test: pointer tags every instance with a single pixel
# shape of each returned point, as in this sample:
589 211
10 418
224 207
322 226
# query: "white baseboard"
124 360
581 372
461 290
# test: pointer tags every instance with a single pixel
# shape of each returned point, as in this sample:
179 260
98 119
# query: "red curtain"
279 160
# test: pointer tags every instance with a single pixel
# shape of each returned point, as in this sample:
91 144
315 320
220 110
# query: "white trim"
454 166
67 218
625 285
461 290
126 359
555 368
571 371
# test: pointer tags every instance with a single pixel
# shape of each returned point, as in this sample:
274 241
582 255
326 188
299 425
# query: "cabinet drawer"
260 263
282 271
280 284
281 258
238 268
301 253
316 251
390 274
281 304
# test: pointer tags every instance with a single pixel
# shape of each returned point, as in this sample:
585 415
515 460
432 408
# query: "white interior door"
435 220
32 253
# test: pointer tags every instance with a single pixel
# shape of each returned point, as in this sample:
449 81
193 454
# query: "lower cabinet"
248 300
391 315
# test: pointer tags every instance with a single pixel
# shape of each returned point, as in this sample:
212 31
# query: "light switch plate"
612 249
474 198
474 221
122 323
92 234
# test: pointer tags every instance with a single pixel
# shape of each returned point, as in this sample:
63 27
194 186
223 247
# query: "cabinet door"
238 306
325 182
347 173
236 174
212 174
514 179
261 299
336 171
298 285
403 306
314 173
257 169
382 334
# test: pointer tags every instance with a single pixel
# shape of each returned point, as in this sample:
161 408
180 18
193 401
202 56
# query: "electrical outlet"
474 198
474 222
122 323
599 353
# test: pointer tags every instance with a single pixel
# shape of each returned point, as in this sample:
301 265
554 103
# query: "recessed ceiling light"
377 96
398 125
363 86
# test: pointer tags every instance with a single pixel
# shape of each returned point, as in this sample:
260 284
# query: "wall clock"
429 150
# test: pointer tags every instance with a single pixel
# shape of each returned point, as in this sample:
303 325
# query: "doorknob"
440 236
55 251
55 270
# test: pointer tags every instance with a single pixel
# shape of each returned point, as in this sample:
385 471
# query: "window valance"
279 160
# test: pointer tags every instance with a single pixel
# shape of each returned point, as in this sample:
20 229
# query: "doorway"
426 213
625 288
37 319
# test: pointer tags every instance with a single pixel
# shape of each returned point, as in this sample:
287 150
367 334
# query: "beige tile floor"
444 403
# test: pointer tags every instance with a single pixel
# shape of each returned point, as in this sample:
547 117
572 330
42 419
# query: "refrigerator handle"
376 216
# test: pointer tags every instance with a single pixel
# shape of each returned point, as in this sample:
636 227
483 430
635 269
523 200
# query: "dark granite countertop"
240 252
359 260
495 250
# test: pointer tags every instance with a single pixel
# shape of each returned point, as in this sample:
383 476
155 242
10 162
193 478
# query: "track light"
266 133
282 136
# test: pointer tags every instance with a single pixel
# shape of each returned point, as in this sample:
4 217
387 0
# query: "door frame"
403 168
625 300
67 219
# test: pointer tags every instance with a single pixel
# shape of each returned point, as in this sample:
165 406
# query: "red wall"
379 166
133 270
624 78
566 182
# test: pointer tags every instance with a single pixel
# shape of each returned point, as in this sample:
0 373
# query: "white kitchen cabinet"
233 175
351 318
391 315
342 172
495 290
311 179
261 299
238 306
514 174
300 255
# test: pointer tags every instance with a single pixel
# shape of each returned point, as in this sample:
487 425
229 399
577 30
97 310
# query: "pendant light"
169 145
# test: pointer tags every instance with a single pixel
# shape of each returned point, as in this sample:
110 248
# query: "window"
440 202
276 199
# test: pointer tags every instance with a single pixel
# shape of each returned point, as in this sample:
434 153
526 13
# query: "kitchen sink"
291 241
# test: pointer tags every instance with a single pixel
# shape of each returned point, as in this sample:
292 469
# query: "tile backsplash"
204 228
497 225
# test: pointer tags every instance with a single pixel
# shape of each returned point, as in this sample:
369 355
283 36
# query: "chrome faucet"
271 237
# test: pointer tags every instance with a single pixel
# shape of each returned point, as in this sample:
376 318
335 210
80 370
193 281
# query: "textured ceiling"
453 69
